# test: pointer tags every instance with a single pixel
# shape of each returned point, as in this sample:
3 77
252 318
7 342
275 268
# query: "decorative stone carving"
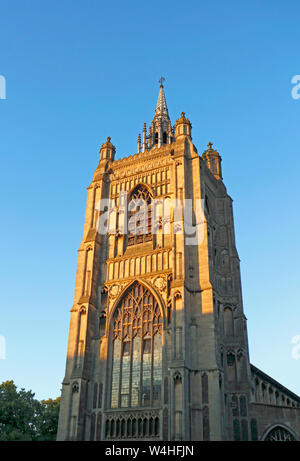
114 290
177 295
127 414
160 283
124 168
177 376
178 228
132 425
75 387
240 354
230 358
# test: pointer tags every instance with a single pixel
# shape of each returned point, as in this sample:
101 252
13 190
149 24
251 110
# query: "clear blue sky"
79 71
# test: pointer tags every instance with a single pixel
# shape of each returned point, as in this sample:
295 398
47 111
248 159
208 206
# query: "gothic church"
158 346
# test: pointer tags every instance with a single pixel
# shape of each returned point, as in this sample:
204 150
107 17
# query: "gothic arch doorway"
136 330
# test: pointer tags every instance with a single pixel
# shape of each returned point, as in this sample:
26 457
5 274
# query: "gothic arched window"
279 434
137 350
139 216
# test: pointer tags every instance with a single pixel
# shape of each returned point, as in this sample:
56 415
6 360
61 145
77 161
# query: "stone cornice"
148 155
146 276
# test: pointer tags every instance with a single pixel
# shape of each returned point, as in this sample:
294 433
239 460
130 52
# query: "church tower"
158 345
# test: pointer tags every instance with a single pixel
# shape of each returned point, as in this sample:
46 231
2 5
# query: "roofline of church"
274 382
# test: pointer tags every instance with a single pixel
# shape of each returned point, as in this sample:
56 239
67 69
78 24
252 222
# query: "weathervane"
161 80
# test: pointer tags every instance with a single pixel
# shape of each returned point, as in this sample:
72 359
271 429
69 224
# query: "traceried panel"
157 370
139 222
137 350
116 373
279 434
136 371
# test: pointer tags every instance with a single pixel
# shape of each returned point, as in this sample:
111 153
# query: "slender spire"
161 106
160 130
144 138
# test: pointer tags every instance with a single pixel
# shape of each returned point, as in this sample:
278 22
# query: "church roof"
257 372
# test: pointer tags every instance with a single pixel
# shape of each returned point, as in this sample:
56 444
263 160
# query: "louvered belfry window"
137 350
139 216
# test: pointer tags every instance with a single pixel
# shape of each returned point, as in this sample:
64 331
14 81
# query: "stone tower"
158 345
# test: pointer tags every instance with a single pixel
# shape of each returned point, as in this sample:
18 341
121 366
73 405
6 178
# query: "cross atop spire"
161 81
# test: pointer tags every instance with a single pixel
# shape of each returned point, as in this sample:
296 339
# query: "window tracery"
137 350
139 216
279 434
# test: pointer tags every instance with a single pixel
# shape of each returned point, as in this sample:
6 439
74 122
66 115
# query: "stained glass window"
137 350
